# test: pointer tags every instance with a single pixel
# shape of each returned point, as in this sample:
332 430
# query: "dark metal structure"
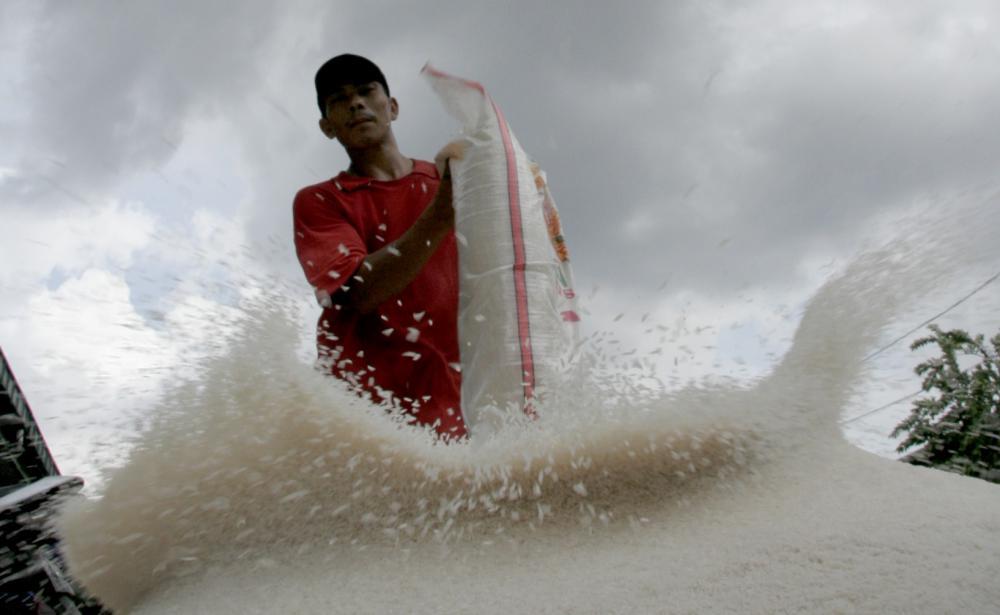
33 576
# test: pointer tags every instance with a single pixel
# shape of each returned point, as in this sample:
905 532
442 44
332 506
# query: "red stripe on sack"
520 261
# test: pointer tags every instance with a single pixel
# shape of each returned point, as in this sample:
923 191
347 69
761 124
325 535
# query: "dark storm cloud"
767 138
110 86
717 143
842 124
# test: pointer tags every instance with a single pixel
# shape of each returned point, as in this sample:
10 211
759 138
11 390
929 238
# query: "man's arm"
387 271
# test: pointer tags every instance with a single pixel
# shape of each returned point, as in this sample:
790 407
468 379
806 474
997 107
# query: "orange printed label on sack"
552 222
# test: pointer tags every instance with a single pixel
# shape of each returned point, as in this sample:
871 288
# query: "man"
377 244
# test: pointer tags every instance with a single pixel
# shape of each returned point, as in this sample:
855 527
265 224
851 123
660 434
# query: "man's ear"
324 125
393 108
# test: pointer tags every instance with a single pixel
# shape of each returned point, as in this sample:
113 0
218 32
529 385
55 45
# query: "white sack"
517 310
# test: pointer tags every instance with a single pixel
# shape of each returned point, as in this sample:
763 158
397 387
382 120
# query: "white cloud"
89 358
37 243
87 364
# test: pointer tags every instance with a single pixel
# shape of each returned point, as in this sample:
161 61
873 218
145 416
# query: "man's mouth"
362 120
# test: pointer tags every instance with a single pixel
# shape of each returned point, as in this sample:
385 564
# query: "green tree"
959 423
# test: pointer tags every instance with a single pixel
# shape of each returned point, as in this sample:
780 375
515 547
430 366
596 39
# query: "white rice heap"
263 487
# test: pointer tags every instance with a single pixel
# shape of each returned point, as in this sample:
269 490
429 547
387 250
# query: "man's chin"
358 144
366 137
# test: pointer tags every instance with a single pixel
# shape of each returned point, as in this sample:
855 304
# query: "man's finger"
456 149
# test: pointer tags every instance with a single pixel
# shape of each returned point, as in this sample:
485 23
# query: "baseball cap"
344 69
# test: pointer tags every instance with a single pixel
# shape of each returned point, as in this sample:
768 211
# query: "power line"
880 408
907 334
932 318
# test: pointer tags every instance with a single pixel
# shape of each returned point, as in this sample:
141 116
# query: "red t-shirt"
408 345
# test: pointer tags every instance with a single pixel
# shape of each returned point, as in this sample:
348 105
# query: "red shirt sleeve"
328 246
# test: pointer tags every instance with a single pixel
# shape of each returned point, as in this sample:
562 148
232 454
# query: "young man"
377 244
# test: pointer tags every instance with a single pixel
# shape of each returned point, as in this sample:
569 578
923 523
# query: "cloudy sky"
713 162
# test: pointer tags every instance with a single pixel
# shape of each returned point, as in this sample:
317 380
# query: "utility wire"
880 408
907 334
932 318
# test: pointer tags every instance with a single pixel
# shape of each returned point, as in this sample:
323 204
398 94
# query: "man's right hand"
442 208
452 151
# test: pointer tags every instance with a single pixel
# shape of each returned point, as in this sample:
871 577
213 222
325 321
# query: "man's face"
359 116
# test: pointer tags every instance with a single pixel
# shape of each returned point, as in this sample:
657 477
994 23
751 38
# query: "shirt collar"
349 183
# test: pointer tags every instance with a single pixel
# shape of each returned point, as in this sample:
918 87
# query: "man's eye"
366 89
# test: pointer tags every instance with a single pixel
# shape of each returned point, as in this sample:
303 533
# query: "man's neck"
383 163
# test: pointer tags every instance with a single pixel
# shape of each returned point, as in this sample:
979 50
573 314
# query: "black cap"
345 69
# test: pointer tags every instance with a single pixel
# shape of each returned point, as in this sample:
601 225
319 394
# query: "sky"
713 162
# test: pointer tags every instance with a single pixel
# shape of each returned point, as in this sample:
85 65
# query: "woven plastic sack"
517 318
